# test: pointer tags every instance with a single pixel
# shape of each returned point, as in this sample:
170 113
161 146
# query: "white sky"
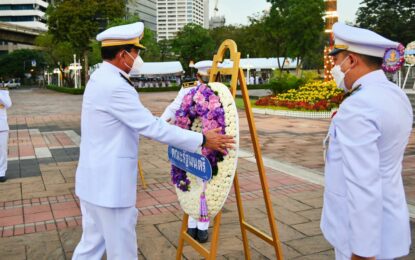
237 11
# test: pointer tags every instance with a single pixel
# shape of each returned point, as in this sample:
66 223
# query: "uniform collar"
122 73
108 65
369 78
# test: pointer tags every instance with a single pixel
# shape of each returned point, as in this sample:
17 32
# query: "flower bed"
313 96
205 108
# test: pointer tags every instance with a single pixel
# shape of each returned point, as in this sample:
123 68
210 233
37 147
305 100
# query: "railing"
407 77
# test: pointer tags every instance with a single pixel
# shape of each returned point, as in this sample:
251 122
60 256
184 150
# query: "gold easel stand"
237 75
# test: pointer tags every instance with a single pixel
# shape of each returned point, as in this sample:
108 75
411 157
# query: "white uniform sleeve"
170 111
5 99
126 106
357 133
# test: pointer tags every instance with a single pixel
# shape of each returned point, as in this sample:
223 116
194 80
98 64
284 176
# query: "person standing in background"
5 103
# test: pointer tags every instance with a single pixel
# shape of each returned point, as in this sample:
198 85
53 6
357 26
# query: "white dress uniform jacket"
112 120
5 103
365 210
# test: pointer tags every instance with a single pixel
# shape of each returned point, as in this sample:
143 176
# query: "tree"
193 42
19 63
57 54
78 21
393 19
296 28
165 50
305 29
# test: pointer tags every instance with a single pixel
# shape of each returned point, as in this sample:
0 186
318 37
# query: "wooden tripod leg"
247 250
140 170
183 230
215 237
260 165
209 255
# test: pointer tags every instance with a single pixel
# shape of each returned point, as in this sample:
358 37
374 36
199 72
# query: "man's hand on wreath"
217 141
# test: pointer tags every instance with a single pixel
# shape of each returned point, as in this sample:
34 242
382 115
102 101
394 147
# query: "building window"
17 18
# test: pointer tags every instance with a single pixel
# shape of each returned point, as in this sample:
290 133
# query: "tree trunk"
298 68
86 68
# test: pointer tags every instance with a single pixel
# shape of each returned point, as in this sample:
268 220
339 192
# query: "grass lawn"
240 104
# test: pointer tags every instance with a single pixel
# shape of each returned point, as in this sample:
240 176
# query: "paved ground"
40 216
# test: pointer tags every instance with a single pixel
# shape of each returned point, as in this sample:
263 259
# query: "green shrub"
73 91
282 82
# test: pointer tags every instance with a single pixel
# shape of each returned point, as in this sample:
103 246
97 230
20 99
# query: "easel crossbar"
258 233
197 246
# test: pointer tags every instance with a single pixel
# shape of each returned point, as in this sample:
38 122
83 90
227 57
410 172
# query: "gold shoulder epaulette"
189 84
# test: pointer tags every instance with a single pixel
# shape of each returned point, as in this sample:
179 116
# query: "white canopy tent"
154 68
253 63
160 68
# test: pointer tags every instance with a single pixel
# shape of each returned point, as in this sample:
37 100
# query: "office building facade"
173 15
28 13
146 10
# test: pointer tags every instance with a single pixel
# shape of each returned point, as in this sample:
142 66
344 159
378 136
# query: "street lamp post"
247 70
75 71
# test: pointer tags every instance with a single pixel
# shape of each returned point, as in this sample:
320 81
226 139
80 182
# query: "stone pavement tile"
162 218
148 237
311 214
12 251
45 250
309 228
258 219
288 203
70 237
310 245
65 209
240 255
31 187
307 194
286 216
326 255
314 202
267 251
11 220
10 191
52 177
43 245
9 212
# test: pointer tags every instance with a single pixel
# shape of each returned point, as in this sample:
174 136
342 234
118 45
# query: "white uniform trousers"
107 229
341 256
4 138
193 223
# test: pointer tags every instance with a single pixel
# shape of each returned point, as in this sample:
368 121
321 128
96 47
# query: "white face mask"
339 75
138 62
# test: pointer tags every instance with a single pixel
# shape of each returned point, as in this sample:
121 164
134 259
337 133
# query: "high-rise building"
28 13
146 10
173 15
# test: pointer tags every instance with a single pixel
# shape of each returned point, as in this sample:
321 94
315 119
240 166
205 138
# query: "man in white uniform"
5 103
112 121
197 229
365 214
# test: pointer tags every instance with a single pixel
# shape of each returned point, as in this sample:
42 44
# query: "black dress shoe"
202 236
192 232
3 179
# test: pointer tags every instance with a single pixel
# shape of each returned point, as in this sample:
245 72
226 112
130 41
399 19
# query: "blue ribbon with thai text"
193 163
